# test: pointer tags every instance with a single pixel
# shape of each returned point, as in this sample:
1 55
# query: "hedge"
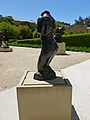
30 41
74 40
25 45
77 40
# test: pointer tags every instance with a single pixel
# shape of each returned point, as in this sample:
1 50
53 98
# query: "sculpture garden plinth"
8 49
44 100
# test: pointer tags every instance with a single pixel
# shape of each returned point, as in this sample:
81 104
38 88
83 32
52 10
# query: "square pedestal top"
28 80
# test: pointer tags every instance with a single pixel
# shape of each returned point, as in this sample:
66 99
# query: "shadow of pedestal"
74 115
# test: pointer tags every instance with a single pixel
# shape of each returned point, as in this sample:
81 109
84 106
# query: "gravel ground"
14 64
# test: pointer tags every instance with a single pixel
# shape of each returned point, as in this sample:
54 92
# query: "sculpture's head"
45 12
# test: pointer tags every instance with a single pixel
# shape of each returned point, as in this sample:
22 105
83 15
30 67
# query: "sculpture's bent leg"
45 72
53 50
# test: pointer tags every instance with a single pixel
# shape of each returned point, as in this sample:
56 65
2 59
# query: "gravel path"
14 64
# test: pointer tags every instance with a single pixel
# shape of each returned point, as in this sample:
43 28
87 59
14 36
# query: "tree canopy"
83 21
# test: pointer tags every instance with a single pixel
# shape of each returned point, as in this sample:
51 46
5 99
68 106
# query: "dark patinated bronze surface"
3 42
46 26
58 35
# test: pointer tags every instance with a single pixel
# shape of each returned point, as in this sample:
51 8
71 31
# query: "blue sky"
61 10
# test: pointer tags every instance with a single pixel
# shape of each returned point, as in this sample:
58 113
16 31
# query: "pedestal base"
61 49
44 100
2 49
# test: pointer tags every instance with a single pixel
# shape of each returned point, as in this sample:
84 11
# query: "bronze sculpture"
46 26
3 42
58 35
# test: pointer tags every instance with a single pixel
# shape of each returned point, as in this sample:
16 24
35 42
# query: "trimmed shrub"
34 41
79 40
75 42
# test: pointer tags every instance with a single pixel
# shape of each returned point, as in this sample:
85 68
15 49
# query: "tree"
87 21
25 31
35 34
1 18
83 21
80 21
76 22
9 19
10 31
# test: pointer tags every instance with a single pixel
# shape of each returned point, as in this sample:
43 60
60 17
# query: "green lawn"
24 45
81 49
68 48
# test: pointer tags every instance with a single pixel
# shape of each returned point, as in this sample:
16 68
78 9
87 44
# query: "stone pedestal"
2 49
61 49
44 100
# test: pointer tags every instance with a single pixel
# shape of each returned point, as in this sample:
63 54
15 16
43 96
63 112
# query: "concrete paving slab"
14 64
8 105
79 76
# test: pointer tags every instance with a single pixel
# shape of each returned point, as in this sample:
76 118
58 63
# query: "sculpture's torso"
46 26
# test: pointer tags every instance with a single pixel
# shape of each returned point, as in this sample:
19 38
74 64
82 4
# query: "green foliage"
1 18
80 21
25 45
83 21
25 31
81 49
69 32
79 40
24 28
59 24
34 43
30 41
10 31
35 34
15 32
9 19
76 42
